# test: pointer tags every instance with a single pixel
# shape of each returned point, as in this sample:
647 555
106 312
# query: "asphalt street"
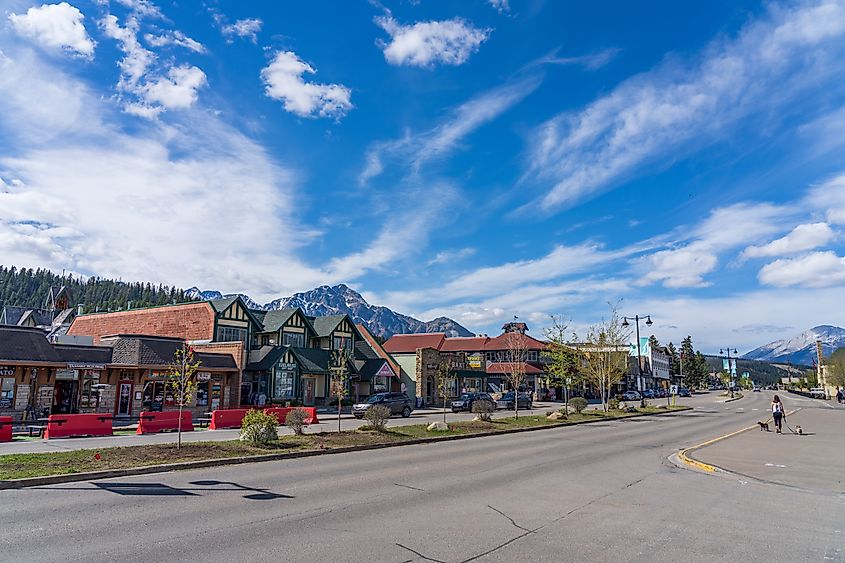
598 492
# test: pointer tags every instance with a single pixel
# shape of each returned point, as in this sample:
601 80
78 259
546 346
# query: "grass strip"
20 466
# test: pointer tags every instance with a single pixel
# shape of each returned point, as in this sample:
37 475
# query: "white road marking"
755 409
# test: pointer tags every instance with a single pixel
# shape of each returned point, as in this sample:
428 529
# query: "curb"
163 468
684 455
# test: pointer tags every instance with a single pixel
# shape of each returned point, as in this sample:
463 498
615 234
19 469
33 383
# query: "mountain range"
800 349
341 299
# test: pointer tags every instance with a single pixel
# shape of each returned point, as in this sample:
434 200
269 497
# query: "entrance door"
124 399
308 384
154 396
64 397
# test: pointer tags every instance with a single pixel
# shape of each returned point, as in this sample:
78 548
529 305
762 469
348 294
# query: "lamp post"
637 319
727 352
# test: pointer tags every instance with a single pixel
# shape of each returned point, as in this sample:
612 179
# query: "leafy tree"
340 375
181 381
445 377
653 342
561 359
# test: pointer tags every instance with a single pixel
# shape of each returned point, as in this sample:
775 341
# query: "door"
216 395
124 399
64 397
308 384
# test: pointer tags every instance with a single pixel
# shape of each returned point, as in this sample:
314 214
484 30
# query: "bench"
203 421
40 427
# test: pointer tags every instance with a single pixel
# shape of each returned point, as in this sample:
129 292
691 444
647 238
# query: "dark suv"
398 403
466 400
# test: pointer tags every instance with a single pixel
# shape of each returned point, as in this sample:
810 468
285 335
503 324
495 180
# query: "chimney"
79 309
128 305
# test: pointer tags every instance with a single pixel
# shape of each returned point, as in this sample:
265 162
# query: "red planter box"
5 428
232 418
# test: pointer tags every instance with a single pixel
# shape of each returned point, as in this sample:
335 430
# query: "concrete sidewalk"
812 461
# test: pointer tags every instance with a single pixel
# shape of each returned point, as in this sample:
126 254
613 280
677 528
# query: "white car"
631 396
818 393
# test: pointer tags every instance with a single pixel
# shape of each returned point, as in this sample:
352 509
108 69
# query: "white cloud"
816 269
829 197
174 38
724 229
450 256
245 28
672 108
283 81
801 238
56 26
592 61
154 89
143 8
440 140
500 5
425 44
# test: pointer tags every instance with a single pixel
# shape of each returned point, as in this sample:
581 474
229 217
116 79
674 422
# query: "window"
342 343
89 396
231 334
7 391
284 384
531 356
295 339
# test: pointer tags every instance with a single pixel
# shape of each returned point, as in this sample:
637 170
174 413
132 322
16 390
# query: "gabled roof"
410 343
324 326
13 315
504 342
363 351
373 345
269 359
18 343
313 360
464 344
140 350
272 321
372 367
220 306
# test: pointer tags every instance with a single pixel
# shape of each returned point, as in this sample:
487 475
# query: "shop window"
284 387
295 339
7 391
202 395
88 398
342 343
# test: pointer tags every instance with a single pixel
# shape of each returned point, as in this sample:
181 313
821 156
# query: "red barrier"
151 422
5 428
282 413
232 418
64 425
227 418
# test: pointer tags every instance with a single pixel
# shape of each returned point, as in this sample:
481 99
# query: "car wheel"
406 412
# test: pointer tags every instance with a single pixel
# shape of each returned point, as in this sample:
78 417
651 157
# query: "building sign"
86 366
67 374
7 371
286 367
203 376
384 371
475 361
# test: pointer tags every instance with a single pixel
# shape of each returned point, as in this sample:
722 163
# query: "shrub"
259 428
377 416
483 409
613 404
646 404
578 403
295 420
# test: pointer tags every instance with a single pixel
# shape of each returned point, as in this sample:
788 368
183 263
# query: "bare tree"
516 350
445 377
340 375
181 381
604 353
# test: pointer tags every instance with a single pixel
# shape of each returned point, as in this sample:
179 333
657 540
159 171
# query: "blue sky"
477 159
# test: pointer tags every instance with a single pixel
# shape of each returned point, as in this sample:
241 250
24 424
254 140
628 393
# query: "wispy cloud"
247 28
591 61
674 107
174 37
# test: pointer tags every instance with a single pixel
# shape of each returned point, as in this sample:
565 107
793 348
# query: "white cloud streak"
803 237
174 38
816 269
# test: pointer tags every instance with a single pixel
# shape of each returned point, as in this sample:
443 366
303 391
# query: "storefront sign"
384 371
7 371
86 366
5 403
475 361
66 374
287 367
203 376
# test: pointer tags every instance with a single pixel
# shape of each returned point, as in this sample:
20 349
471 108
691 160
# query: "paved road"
328 424
602 492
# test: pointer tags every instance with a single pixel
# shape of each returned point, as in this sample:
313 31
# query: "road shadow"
160 489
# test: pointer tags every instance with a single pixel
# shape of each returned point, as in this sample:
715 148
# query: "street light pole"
727 352
637 319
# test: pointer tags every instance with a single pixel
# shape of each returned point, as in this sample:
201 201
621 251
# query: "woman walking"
777 413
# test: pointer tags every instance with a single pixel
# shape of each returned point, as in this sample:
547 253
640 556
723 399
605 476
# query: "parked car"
466 400
648 394
506 402
660 393
631 396
398 403
684 392
756 389
818 393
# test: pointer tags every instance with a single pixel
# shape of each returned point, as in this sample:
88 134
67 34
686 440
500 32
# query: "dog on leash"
764 426
798 430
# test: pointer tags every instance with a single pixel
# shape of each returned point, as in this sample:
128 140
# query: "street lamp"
625 323
727 352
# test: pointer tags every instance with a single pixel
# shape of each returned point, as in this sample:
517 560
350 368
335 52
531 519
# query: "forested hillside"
26 287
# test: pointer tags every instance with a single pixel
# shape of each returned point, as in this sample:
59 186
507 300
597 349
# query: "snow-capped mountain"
800 349
341 299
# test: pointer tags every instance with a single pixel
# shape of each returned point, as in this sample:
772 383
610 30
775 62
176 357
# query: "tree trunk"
179 428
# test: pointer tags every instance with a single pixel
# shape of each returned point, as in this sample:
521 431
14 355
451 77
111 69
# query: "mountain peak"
800 349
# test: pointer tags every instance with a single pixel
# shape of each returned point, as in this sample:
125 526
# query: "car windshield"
465 397
376 399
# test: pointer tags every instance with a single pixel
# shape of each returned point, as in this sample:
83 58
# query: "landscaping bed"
20 466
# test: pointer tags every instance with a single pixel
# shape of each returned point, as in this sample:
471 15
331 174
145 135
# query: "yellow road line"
683 454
